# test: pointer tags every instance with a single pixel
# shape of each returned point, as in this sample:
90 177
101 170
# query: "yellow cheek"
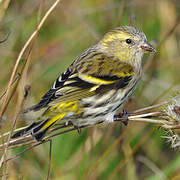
115 43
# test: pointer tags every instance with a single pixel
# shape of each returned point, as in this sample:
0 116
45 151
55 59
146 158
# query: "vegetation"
58 33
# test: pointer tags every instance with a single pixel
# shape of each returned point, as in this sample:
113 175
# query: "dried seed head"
172 138
173 109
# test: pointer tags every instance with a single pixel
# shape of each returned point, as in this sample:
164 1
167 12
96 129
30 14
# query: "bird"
95 85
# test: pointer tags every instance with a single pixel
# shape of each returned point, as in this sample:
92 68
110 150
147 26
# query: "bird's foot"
78 129
123 117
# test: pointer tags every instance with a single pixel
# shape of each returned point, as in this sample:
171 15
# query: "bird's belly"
102 109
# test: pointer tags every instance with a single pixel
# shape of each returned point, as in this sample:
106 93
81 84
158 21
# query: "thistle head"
127 43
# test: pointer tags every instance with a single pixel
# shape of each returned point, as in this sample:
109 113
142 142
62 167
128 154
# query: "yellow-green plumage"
96 84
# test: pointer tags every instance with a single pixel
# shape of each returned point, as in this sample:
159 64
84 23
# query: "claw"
123 117
78 129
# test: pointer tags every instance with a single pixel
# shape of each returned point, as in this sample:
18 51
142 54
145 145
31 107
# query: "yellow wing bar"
96 80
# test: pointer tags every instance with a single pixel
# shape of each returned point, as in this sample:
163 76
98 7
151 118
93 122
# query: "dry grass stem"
49 161
151 117
11 82
22 52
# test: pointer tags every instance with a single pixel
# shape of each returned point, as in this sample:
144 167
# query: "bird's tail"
36 129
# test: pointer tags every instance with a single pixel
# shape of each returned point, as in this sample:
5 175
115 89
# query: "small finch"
95 85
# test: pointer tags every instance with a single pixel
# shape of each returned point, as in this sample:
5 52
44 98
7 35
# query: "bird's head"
127 43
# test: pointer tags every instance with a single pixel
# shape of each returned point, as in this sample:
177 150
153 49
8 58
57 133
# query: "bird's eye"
128 41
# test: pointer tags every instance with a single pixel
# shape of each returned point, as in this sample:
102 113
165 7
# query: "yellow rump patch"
59 111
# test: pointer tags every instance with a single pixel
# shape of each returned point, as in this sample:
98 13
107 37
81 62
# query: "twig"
6 101
22 52
151 107
145 115
27 149
141 117
135 118
16 130
50 155
157 117
3 158
29 140
145 120
15 79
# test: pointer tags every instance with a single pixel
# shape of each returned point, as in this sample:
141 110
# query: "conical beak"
147 47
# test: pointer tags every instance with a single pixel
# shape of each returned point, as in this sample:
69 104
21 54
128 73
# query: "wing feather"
89 77
51 94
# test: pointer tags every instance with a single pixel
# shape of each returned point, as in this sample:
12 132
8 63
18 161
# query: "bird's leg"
69 123
78 129
123 117
66 123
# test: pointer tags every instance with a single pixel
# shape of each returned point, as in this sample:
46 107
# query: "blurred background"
110 151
